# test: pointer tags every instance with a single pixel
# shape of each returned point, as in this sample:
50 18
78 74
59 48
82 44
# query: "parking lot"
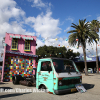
91 84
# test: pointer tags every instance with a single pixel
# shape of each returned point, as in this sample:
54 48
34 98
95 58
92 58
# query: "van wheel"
13 80
16 79
43 88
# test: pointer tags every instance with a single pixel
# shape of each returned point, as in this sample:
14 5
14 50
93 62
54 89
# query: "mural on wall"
17 65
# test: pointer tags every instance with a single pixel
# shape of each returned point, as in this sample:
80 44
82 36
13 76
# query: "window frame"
28 44
14 45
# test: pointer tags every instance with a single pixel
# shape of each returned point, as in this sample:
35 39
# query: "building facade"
19 56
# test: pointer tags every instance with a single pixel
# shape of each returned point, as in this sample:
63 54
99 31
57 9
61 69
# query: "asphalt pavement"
8 91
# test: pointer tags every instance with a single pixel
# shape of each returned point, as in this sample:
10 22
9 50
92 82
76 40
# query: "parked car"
99 70
90 70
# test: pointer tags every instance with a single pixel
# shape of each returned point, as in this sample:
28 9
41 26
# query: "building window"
14 44
27 45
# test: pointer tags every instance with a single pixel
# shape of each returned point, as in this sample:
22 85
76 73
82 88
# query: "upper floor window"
14 44
27 45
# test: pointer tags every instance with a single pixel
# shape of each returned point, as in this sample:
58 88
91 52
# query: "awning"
27 38
18 37
18 53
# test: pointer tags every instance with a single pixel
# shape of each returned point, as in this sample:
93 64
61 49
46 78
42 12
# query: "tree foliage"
82 32
94 26
60 52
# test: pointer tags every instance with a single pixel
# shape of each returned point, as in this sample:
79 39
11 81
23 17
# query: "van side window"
46 66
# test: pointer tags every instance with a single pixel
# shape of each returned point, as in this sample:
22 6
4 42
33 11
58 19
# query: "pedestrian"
95 70
91 70
84 71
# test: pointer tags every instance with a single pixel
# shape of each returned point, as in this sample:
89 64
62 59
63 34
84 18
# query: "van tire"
16 79
43 87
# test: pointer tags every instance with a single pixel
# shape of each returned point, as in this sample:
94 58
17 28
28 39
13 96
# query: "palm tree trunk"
97 60
84 52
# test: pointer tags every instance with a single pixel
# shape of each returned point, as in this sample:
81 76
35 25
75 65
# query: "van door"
45 75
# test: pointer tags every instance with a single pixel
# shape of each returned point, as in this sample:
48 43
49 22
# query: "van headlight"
60 83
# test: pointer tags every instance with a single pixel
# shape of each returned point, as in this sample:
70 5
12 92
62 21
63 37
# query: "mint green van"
57 75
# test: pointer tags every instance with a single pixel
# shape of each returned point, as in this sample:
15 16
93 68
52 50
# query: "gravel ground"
91 84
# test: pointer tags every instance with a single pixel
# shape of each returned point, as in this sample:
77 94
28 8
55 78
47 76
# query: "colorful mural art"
17 65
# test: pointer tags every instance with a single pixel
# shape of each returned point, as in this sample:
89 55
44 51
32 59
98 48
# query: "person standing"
95 70
84 71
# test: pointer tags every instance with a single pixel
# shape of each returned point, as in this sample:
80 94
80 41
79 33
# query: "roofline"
21 34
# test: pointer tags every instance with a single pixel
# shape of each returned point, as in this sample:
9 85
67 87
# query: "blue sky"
66 11
47 19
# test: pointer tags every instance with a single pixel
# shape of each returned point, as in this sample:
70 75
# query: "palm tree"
94 26
82 33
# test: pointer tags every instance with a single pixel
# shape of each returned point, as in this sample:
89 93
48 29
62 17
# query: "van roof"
56 58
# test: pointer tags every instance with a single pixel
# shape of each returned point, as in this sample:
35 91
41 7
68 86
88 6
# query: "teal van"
57 75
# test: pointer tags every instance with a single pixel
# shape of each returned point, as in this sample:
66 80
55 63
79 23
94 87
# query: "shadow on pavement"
88 86
12 95
90 75
3 83
67 93
5 88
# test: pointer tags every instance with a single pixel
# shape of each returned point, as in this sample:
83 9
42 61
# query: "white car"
90 70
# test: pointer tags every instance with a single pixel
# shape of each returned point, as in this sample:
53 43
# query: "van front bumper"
65 91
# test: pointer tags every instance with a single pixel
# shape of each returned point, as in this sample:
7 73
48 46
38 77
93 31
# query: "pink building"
19 56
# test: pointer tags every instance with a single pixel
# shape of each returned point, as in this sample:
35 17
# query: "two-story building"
19 56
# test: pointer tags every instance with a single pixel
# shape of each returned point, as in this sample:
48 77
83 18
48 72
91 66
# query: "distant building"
91 62
19 55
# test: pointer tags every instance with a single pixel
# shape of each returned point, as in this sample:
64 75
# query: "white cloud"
39 4
39 43
98 18
68 28
90 49
71 19
7 3
30 20
87 16
45 25
8 10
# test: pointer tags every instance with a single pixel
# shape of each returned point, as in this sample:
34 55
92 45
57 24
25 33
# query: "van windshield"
63 65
